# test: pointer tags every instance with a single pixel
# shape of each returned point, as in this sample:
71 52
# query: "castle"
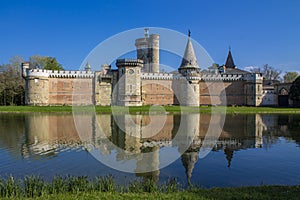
140 81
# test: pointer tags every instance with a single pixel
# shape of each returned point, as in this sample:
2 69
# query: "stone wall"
47 87
37 91
103 89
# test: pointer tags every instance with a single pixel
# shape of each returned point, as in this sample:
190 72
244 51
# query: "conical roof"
229 61
189 59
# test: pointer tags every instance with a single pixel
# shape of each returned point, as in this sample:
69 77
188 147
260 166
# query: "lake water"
249 149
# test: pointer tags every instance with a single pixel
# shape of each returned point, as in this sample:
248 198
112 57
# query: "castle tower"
191 71
36 85
148 51
87 67
129 82
253 89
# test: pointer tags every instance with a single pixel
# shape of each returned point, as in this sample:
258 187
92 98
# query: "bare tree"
270 73
255 70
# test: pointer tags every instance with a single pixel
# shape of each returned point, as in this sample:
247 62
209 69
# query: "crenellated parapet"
58 74
159 76
71 74
222 77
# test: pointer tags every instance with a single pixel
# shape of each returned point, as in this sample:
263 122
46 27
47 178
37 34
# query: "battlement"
59 74
129 62
158 76
205 77
222 77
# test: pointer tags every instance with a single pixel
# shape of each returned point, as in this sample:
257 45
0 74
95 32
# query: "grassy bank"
145 109
105 188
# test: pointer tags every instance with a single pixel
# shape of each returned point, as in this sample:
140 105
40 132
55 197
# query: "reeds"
35 186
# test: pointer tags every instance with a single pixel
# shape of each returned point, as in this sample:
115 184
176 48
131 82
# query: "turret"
253 89
25 67
129 82
87 67
190 69
148 51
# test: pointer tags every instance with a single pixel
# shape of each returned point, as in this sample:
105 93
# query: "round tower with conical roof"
190 70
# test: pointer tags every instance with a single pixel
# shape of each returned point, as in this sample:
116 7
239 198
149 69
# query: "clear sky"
258 31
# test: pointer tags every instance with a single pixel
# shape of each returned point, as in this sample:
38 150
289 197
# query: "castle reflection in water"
48 134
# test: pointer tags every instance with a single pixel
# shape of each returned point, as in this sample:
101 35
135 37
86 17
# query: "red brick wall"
61 91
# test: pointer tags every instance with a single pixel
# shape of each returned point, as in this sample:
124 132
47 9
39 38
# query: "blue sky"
258 32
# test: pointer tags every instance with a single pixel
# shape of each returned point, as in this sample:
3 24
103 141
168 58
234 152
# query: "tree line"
12 85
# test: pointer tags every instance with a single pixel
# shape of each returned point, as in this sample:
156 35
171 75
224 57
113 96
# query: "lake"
203 149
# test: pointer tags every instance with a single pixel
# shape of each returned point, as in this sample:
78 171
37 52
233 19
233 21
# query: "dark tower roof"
229 154
189 59
229 61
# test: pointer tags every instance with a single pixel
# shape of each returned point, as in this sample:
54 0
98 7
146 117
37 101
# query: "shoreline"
145 109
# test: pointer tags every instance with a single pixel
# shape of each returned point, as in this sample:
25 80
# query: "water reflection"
37 136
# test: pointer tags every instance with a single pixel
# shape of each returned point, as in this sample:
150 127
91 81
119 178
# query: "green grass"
145 109
34 187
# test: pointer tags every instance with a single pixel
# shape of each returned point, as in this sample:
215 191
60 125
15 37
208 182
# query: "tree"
52 64
295 92
12 85
289 77
37 61
12 91
44 62
270 73
16 62
255 70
